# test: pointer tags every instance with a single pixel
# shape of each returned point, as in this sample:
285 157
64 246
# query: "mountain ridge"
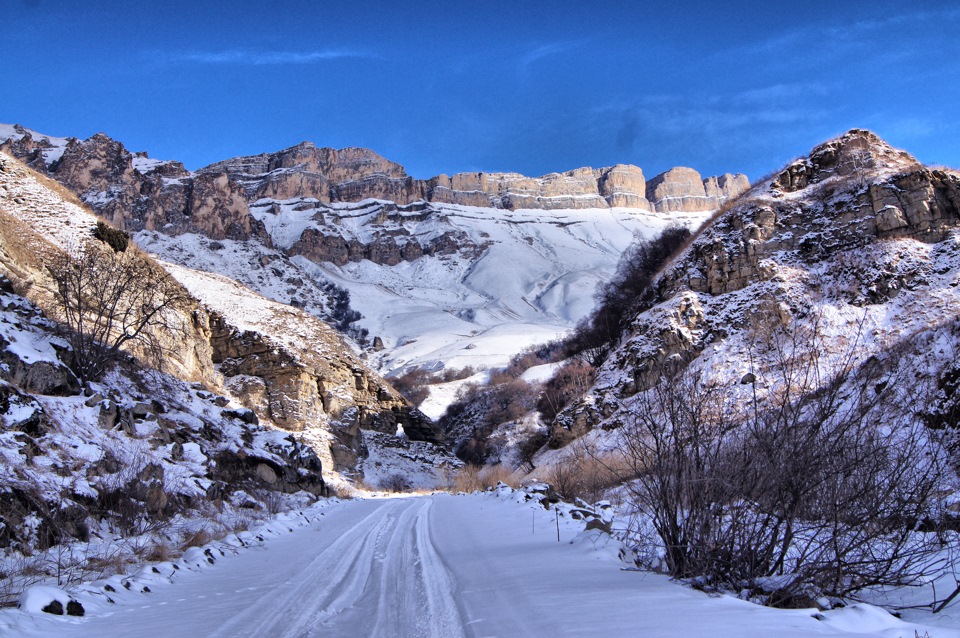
352 174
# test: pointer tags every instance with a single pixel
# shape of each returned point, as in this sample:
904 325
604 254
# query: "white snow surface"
488 564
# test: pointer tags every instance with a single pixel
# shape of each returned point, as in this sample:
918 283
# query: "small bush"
537 355
197 538
394 483
412 384
453 374
341 315
480 409
475 478
587 474
118 240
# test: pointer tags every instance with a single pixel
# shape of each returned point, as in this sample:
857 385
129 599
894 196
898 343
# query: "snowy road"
438 566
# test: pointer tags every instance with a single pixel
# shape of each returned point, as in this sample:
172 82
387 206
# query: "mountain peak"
856 153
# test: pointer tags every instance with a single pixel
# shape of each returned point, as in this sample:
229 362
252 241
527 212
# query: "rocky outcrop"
134 192
882 194
389 241
294 372
682 190
856 227
287 366
623 186
352 175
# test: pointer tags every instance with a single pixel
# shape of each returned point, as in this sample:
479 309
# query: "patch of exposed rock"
135 192
295 372
390 241
286 365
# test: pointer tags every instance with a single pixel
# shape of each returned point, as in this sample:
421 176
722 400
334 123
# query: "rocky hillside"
856 246
289 368
137 463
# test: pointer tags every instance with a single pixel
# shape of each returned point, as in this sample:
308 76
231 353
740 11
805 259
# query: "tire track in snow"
382 577
416 588
325 582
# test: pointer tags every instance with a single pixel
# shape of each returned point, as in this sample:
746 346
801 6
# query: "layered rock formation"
353 174
134 192
138 193
294 371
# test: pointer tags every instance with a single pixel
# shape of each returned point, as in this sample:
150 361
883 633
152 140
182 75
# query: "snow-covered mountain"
448 272
853 250
508 279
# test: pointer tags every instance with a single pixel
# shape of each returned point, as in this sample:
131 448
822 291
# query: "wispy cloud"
836 40
250 57
547 50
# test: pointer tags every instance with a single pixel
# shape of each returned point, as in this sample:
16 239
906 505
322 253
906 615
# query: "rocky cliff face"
287 366
295 372
136 193
127 453
352 175
113 181
858 240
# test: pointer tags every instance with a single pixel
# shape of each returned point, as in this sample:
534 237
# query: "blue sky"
525 85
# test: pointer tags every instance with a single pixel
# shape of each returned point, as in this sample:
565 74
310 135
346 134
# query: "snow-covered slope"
441 284
511 279
52 147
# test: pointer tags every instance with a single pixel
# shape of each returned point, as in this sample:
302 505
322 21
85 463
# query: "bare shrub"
195 538
341 316
412 384
568 384
481 408
159 553
493 475
627 293
107 301
823 483
536 355
395 482
457 374
586 474
467 479
475 478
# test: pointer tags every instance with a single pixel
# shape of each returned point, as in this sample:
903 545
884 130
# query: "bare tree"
110 300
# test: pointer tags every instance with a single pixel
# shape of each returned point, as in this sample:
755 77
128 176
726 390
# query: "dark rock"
141 410
246 415
109 414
